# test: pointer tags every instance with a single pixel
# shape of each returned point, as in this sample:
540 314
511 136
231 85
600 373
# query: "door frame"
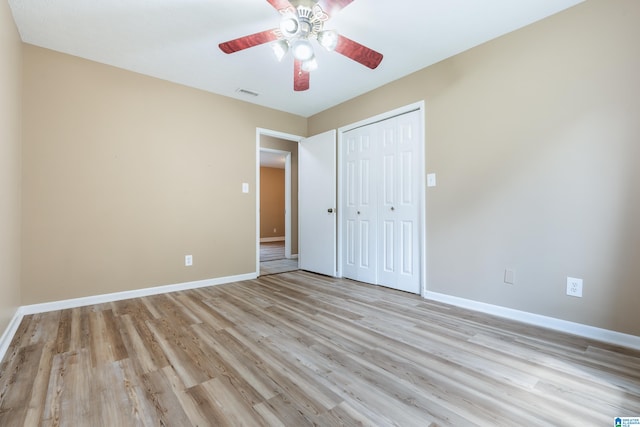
288 137
422 217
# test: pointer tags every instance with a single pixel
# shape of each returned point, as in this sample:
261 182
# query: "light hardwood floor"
299 349
278 266
273 261
271 251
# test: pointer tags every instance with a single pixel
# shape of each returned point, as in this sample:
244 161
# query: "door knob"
330 210
358 212
392 208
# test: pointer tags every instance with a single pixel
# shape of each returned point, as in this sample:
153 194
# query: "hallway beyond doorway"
273 261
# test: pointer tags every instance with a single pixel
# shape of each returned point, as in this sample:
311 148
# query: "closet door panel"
365 259
407 182
388 266
360 215
366 213
407 240
400 210
388 180
350 247
388 208
409 157
350 204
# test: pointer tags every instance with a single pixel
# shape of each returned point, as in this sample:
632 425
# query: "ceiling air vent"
247 92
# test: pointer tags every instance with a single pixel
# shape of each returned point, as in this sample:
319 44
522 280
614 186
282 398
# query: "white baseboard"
118 296
8 334
271 239
100 299
585 331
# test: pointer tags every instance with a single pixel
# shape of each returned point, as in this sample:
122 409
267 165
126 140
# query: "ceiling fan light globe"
310 64
280 49
328 39
302 50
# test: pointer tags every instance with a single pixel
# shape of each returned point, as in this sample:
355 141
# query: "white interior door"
381 165
398 206
360 209
317 204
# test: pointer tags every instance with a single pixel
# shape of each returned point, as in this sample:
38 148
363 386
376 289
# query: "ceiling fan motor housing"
302 22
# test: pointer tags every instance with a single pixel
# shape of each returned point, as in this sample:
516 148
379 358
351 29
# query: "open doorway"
277 204
275 212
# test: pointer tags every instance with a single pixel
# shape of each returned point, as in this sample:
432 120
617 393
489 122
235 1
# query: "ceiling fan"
299 25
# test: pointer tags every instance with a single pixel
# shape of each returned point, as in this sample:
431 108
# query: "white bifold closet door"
360 205
381 202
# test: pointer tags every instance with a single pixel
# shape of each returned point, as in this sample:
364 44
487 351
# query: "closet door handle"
392 208
358 212
330 210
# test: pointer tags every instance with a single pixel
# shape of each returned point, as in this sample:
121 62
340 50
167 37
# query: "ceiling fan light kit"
328 39
309 65
298 26
302 50
280 49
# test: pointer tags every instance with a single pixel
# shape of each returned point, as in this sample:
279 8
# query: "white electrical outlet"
574 287
188 260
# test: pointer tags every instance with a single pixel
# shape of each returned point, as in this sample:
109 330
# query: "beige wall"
292 147
126 174
271 202
10 164
535 139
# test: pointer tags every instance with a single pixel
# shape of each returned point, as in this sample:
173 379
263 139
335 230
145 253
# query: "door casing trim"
280 135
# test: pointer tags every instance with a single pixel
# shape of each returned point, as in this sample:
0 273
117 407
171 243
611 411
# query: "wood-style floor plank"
299 349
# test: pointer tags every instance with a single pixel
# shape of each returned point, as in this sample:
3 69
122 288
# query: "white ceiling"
270 159
177 40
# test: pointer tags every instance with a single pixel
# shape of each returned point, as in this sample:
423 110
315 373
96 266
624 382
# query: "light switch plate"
509 277
431 180
245 187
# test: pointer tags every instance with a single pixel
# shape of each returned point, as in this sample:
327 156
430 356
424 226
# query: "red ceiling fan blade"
280 4
248 41
300 77
331 7
359 53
